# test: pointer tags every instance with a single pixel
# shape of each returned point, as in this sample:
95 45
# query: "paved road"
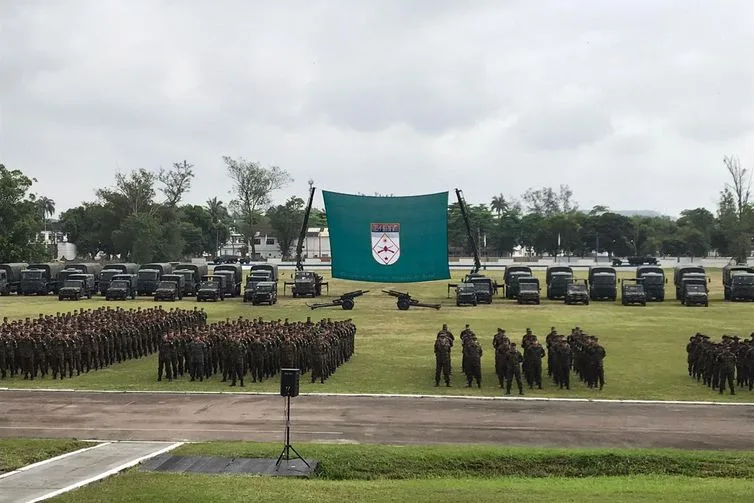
394 420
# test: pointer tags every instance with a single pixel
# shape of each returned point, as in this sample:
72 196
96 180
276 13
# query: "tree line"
142 218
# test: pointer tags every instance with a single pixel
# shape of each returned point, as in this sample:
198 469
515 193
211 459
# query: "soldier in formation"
579 353
256 350
85 340
727 363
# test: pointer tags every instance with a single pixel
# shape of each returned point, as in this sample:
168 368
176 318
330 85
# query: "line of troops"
87 339
235 348
578 353
718 364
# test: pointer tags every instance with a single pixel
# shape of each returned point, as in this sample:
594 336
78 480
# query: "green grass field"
645 346
449 473
18 452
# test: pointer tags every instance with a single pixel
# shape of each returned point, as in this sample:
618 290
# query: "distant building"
316 244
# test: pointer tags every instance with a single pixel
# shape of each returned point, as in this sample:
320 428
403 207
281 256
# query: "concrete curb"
391 395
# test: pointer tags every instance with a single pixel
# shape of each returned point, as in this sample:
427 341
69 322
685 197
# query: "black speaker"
289 379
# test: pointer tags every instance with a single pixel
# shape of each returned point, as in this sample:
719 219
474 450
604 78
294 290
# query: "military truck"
554 269
198 271
88 268
66 273
742 286
528 290
692 278
557 284
510 278
603 283
695 292
306 284
110 270
189 286
484 288
253 280
4 287
40 279
168 290
211 288
12 275
234 287
123 267
636 260
163 267
146 281
680 272
735 288
577 292
271 268
466 293
632 292
229 286
122 286
180 284
653 279
72 289
265 293
89 283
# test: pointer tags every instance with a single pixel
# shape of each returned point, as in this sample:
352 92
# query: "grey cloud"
389 96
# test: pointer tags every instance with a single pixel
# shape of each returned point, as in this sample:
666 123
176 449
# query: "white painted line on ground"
392 395
182 430
106 474
100 443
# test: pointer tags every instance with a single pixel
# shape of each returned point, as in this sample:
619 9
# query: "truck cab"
73 289
528 290
466 293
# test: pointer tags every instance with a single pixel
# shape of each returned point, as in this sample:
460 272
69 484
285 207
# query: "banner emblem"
386 248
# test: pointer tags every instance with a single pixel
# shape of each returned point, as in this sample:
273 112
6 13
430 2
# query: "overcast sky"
631 103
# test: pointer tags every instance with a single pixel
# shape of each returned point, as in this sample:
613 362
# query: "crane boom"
304 226
464 213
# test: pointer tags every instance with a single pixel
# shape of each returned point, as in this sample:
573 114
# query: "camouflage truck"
110 270
695 291
12 275
306 284
189 285
252 280
484 288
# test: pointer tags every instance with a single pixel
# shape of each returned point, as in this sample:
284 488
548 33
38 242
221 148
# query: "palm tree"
46 208
216 209
499 204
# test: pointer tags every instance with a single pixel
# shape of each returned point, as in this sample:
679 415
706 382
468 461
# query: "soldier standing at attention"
466 335
513 361
472 351
533 355
196 359
442 359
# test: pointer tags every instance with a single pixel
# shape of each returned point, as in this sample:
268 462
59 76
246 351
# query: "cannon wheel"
403 304
347 304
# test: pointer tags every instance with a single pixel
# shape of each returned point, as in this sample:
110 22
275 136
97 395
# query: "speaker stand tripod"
287 448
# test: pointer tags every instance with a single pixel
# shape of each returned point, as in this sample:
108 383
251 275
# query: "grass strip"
375 462
18 452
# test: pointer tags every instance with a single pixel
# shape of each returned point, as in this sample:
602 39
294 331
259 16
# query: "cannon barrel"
355 293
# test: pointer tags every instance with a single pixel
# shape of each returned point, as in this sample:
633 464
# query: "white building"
317 243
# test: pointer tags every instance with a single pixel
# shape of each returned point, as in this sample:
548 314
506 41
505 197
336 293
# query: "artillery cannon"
345 301
405 300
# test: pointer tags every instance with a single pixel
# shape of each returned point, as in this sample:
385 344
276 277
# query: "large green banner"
388 239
